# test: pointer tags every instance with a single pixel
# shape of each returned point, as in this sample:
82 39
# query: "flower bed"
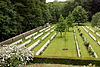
12 56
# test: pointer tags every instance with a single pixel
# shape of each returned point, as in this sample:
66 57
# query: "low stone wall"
21 35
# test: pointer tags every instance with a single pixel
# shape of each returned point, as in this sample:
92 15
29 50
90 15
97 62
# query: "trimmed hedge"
66 60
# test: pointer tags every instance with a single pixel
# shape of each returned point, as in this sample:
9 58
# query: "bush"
96 19
86 44
12 56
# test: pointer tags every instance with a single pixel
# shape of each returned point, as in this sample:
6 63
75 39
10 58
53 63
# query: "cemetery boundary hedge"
66 60
21 35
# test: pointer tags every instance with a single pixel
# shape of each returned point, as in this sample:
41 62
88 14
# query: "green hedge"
66 60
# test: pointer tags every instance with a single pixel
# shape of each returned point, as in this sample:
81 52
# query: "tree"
79 14
96 19
61 19
95 5
55 9
61 26
69 21
8 24
18 16
87 5
68 7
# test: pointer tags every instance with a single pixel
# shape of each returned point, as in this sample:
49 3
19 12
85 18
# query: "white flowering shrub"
12 56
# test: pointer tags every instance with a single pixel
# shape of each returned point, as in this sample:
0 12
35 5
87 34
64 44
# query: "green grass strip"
84 52
94 45
58 44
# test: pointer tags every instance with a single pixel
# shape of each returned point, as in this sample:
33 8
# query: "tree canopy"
79 14
96 19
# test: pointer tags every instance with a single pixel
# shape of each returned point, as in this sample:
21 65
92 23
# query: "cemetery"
59 32
45 42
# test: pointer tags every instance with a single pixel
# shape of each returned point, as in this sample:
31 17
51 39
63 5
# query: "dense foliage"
18 16
96 19
12 56
69 21
61 26
56 9
79 14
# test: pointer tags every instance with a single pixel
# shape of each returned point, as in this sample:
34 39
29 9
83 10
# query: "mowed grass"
58 44
83 50
94 45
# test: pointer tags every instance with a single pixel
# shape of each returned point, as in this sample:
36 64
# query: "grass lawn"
58 44
94 45
83 50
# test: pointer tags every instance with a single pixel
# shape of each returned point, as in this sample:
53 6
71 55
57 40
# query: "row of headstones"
89 34
36 43
19 41
94 38
43 32
27 37
45 45
93 31
93 51
90 45
77 45
33 45
36 33
27 42
97 28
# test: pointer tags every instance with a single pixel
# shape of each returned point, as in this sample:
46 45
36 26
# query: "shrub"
12 56
86 43
81 34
